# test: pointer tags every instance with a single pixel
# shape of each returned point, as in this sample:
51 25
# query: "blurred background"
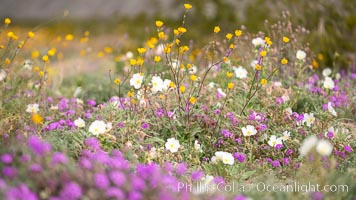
332 23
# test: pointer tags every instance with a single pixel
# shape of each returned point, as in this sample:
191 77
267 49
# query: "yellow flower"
7 21
187 6
182 30
167 49
140 61
52 52
238 33
41 73
258 67
320 56
152 42
229 74
69 37
284 61
45 58
285 39
263 53
133 62
37 118
2 47
182 89
193 77
315 64
7 61
101 54
83 52
226 59
141 50
230 86
268 41
263 81
177 41
172 85
35 54
108 49
157 59
232 46
192 100
84 39
31 34
183 49
10 34
176 32
130 94
161 35
159 24
228 36
216 29
36 69
117 81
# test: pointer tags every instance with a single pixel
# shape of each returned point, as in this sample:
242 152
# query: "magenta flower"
6 158
197 175
10 172
348 149
59 157
71 191
276 163
21 192
181 168
37 146
101 181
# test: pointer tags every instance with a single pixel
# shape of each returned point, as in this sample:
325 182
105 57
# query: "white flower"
331 129
166 84
27 64
97 127
249 130
193 69
307 145
253 63
136 80
309 119
324 147
172 145
77 91
223 94
197 146
240 72
258 42
211 85
331 109
277 84
2 74
289 110
79 101
328 83
175 64
301 55
337 76
218 156
108 127
274 141
32 108
326 72
285 98
157 84
224 157
129 55
286 135
80 123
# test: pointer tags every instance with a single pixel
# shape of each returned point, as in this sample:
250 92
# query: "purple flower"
219 179
37 146
25 158
279 100
137 183
101 181
226 133
115 193
59 157
85 163
6 158
36 168
63 104
276 163
262 127
239 156
10 172
93 143
289 152
197 175
159 112
269 160
238 140
91 102
145 126
240 197
134 195
71 191
347 148
87 115
316 196
21 192
181 168
117 177
279 146
285 161
330 134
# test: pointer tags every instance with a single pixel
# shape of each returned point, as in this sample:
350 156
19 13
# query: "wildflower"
7 21
324 147
285 39
257 42
37 146
315 64
328 83
97 127
32 108
157 59
172 145
228 36
45 58
268 41
136 80
331 109
301 55
284 61
101 181
37 118
31 34
187 6
216 29
232 46
182 30
326 72
240 72
182 89
309 119
71 191
157 84
197 146
240 157
117 81
276 163
238 33
221 93
348 148
286 135
224 157
274 141
263 53
229 74
141 50
159 24
249 130
230 86
263 82
307 145
145 126
80 123
192 100
69 37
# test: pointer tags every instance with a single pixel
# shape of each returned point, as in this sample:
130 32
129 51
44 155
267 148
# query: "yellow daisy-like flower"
187 6
172 85
315 64
7 61
268 41
228 36
35 54
192 100
37 118
216 29
263 81
182 30
130 94
7 21
238 33
182 89
31 34
36 69
157 59
162 35
230 86
52 52
285 39
69 37
45 58
159 24
193 77
133 62
117 81
177 41
141 50
232 46
284 61
258 67
41 73
140 61
229 74
263 53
